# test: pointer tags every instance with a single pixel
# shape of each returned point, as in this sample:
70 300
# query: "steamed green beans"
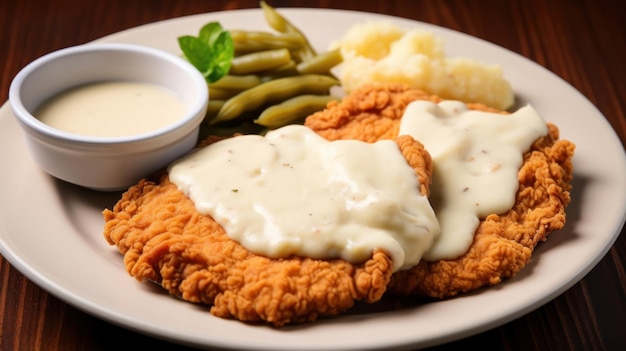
293 110
229 86
255 41
274 78
272 92
214 106
240 83
320 64
259 61
281 24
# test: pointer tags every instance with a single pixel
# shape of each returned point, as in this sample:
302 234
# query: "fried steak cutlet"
164 239
503 243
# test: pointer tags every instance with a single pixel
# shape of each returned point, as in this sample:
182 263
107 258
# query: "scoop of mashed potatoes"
381 52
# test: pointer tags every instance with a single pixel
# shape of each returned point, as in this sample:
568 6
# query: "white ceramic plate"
52 231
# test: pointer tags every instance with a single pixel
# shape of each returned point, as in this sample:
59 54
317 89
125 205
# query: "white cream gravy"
112 109
476 157
294 193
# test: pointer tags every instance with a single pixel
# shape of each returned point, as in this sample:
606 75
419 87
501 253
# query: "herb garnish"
211 52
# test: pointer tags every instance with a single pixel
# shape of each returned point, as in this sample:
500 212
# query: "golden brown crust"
370 113
503 244
164 239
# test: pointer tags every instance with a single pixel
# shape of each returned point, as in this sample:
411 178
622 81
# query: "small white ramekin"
107 163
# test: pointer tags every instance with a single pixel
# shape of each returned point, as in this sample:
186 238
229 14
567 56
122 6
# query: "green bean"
253 41
222 94
231 85
281 24
293 110
274 91
259 61
320 64
213 108
240 83
286 70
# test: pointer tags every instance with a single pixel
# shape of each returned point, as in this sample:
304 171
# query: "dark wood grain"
582 41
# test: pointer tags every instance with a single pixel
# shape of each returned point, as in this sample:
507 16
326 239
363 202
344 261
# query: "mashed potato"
383 52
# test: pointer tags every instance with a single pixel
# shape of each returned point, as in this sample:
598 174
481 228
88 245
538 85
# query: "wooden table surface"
582 41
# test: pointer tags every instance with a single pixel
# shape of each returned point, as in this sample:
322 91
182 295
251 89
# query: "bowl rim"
190 120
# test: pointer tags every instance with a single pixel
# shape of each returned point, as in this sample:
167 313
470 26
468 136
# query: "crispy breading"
371 112
164 239
503 244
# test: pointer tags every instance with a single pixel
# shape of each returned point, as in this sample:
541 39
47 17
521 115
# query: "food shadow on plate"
386 304
360 310
83 210
73 195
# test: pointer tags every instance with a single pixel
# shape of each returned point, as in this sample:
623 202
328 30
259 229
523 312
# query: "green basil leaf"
209 32
196 52
211 52
224 50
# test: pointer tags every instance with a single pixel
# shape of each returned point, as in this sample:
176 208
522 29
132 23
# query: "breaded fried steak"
166 236
165 239
503 242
